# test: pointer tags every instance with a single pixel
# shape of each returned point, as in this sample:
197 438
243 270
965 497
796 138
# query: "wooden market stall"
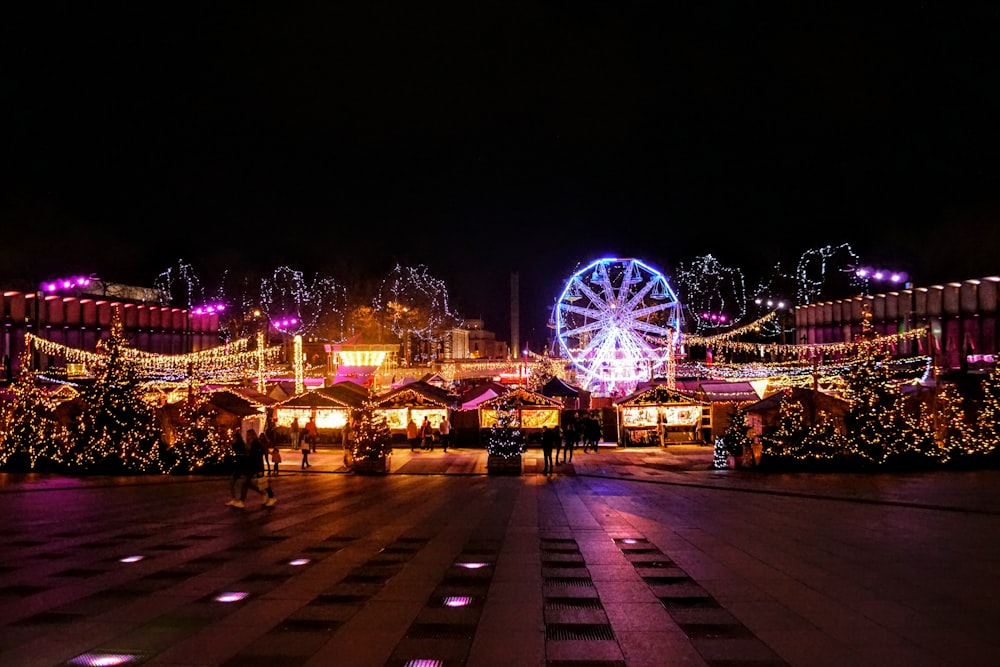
414 400
532 411
658 415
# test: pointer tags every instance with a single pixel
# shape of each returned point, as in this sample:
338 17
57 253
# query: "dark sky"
490 137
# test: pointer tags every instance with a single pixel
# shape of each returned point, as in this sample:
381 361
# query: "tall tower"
515 317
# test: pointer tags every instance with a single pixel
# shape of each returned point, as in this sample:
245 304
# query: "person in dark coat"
239 451
256 477
548 444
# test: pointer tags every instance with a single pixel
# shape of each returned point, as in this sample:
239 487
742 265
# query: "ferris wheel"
618 322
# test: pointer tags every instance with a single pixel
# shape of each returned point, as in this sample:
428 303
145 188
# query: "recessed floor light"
231 596
424 662
130 559
299 561
457 601
473 566
106 659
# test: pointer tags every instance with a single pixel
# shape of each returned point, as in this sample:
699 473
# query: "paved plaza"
644 556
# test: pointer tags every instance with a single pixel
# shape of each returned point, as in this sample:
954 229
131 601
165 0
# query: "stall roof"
727 392
481 392
559 387
343 394
416 393
822 401
314 399
656 395
226 400
521 398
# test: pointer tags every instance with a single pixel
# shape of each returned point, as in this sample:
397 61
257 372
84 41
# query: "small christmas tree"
505 438
735 440
372 438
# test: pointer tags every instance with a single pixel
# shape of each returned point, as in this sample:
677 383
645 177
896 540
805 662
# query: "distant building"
483 344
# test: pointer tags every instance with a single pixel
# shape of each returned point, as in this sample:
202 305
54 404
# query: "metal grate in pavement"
715 631
569 581
335 598
572 603
579 632
563 563
309 625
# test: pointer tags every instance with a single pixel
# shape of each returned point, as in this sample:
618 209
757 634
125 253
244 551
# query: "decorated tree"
192 441
541 372
505 438
118 430
785 439
734 441
371 436
983 435
29 431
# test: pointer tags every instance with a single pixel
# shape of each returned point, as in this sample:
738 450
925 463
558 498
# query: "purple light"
472 566
424 662
130 559
299 561
105 659
457 601
231 596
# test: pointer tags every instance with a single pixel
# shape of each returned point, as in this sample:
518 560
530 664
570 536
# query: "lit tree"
414 304
29 432
372 438
193 442
785 439
983 436
734 441
541 372
505 438
118 430
318 305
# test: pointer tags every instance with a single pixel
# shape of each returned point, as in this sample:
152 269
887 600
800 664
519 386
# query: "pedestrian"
547 445
294 433
239 453
275 459
265 441
304 448
412 434
312 433
255 478
426 436
556 442
591 432
345 432
570 436
444 428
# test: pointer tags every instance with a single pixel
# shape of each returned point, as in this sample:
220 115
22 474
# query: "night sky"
491 137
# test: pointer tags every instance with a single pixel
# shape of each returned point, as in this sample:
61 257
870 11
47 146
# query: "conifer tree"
735 440
29 432
372 437
505 438
118 429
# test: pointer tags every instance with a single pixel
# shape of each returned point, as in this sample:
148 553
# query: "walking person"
294 432
265 441
239 451
312 433
412 434
304 448
547 445
591 432
444 428
426 436
570 436
275 459
556 442
255 478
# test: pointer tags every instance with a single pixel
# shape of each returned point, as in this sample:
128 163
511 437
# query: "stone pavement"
643 556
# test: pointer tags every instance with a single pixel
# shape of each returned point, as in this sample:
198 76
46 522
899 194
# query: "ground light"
106 659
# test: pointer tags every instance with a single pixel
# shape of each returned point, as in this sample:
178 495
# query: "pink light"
105 659
457 601
231 596
130 559
299 561
472 566
424 662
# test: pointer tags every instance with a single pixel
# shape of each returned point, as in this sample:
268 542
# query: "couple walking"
249 471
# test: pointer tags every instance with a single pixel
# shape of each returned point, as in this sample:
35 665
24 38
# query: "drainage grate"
569 581
579 632
466 581
167 575
689 602
335 598
714 631
573 603
441 631
667 581
557 541
309 625
266 576
641 550
563 563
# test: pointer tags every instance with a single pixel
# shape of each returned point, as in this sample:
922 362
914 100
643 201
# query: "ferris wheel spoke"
583 328
639 295
585 311
654 308
650 328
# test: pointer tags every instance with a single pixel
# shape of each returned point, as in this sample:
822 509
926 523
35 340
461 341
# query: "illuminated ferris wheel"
617 321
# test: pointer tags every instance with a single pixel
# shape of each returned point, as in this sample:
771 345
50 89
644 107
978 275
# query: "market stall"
658 415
